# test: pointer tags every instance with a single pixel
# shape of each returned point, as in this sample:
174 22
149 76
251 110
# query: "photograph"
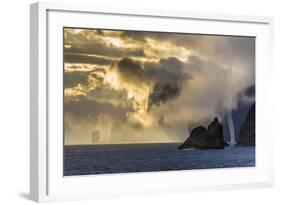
146 101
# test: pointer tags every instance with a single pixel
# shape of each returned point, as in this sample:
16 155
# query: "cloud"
97 42
162 93
168 76
75 77
102 50
164 78
213 90
72 79
85 59
87 108
177 81
168 70
131 70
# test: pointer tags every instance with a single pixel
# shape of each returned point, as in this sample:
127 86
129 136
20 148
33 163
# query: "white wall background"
14 101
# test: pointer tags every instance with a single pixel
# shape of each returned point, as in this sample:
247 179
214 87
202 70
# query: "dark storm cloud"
162 93
166 77
132 71
168 70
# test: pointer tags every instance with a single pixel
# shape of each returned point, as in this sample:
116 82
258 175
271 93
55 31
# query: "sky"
145 87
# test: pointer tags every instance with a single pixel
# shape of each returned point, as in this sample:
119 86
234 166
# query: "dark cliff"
247 132
202 138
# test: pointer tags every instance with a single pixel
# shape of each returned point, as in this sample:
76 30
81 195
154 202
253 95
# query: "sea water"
128 158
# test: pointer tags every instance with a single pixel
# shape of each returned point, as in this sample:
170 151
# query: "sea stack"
247 131
202 138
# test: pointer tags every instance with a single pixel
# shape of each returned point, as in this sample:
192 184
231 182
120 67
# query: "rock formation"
202 138
247 132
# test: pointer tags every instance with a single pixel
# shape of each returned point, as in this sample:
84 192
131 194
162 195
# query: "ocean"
128 158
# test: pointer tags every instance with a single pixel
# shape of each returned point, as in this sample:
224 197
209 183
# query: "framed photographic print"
127 102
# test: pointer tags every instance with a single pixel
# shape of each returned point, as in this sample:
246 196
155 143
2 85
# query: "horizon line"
173 142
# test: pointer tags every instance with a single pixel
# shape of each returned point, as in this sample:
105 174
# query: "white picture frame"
46 179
